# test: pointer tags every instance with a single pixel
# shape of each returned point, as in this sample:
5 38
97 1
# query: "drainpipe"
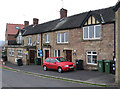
114 43
42 48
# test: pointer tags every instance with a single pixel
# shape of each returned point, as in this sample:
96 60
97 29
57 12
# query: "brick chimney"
26 23
63 13
35 21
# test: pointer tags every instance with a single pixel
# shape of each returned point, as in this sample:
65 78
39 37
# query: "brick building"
89 36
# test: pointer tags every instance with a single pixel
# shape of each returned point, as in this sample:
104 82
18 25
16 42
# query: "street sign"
41 53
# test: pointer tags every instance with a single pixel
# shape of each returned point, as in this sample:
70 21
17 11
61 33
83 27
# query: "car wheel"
60 70
44 68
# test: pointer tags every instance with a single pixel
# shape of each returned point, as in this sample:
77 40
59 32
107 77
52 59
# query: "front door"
69 55
46 54
32 56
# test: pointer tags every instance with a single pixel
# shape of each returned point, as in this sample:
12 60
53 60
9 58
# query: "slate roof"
75 21
117 6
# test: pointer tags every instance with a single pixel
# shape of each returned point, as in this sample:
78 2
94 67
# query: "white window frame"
57 53
29 40
38 51
48 38
9 52
38 39
19 39
12 52
64 37
91 57
20 52
94 33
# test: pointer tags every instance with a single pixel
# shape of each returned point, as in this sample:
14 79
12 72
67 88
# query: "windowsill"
92 64
63 43
20 56
99 39
47 42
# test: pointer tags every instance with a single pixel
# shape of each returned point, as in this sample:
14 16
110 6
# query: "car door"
47 62
53 64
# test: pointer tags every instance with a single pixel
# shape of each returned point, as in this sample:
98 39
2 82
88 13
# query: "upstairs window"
62 37
38 38
19 39
92 32
47 38
29 40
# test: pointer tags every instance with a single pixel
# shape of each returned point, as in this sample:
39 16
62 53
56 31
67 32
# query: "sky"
18 11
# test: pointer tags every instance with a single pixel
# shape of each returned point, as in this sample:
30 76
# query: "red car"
58 63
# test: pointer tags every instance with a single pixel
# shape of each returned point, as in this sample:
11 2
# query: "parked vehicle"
58 63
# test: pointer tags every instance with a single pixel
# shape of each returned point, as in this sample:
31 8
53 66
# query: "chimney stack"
26 23
63 13
35 21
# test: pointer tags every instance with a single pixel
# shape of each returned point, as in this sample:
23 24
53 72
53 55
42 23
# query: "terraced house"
89 36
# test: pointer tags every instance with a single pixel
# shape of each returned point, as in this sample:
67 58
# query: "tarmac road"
18 79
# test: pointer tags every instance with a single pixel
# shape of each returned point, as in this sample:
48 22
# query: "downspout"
42 48
114 44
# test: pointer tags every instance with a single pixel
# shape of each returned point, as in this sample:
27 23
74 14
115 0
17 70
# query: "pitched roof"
13 28
117 6
75 21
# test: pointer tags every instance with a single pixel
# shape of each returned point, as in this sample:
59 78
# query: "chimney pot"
26 23
35 21
63 13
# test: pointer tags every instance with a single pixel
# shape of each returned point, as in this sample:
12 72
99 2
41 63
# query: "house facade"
88 36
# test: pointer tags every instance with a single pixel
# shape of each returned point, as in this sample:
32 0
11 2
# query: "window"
91 57
19 39
47 38
38 38
17 27
47 60
20 53
62 37
92 32
9 52
29 40
12 52
52 60
56 53
38 53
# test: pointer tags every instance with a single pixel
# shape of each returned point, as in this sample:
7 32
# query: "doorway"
69 55
46 53
32 56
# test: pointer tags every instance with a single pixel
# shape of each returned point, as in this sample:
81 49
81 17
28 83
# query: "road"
19 79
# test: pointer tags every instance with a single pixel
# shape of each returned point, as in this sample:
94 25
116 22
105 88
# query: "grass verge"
69 80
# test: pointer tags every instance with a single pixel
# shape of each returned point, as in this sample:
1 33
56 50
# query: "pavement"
82 75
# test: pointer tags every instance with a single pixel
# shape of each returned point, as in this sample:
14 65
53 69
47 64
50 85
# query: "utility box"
101 66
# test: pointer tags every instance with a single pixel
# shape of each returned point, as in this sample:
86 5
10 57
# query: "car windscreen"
60 60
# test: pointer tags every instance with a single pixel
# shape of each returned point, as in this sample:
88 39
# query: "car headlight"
66 66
